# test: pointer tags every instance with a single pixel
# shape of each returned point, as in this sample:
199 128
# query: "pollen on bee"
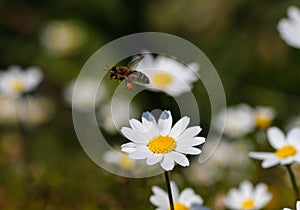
129 85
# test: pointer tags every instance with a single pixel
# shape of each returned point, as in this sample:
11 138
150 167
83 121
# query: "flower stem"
169 190
293 180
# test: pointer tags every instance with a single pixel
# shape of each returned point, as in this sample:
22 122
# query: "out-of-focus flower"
118 110
15 81
119 159
86 98
227 156
287 148
168 75
239 121
264 116
289 28
159 142
297 206
247 197
62 37
182 201
29 110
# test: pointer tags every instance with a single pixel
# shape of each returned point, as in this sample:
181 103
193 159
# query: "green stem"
169 190
293 180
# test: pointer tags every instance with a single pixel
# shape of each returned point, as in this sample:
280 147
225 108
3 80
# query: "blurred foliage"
238 36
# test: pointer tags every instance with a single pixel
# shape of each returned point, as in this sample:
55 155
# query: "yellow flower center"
126 162
162 144
17 85
179 206
248 204
162 79
262 121
286 151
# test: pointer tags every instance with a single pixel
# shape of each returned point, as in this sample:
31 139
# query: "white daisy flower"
239 121
264 116
247 197
182 201
15 82
289 28
159 142
87 98
168 75
287 148
62 37
297 206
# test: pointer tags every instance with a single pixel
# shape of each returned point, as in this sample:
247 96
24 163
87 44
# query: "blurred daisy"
29 110
297 206
182 201
114 116
227 156
15 82
287 148
168 75
239 121
62 37
264 116
88 95
159 142
119 159
289 28
247 197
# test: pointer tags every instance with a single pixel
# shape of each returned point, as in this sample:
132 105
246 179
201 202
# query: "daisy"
247 197
168 75
297 206
62 37
289 28
87 97
287 148
264 116
15 82
182 201
239 121
159 142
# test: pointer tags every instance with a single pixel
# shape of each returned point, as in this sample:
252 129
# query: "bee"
128 73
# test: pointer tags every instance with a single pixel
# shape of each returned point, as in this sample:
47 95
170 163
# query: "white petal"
140 153
261 155
180 158
270 162
154 159
137 125
160 198
165 123
293 137
194 141
175 191
135 136
128 147
188 150
179 127
190 132
188 197
167 163
287 161
276 137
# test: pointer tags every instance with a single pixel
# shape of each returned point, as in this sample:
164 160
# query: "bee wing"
133 64
138 77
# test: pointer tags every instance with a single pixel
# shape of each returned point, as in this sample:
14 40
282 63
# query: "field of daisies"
244 157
